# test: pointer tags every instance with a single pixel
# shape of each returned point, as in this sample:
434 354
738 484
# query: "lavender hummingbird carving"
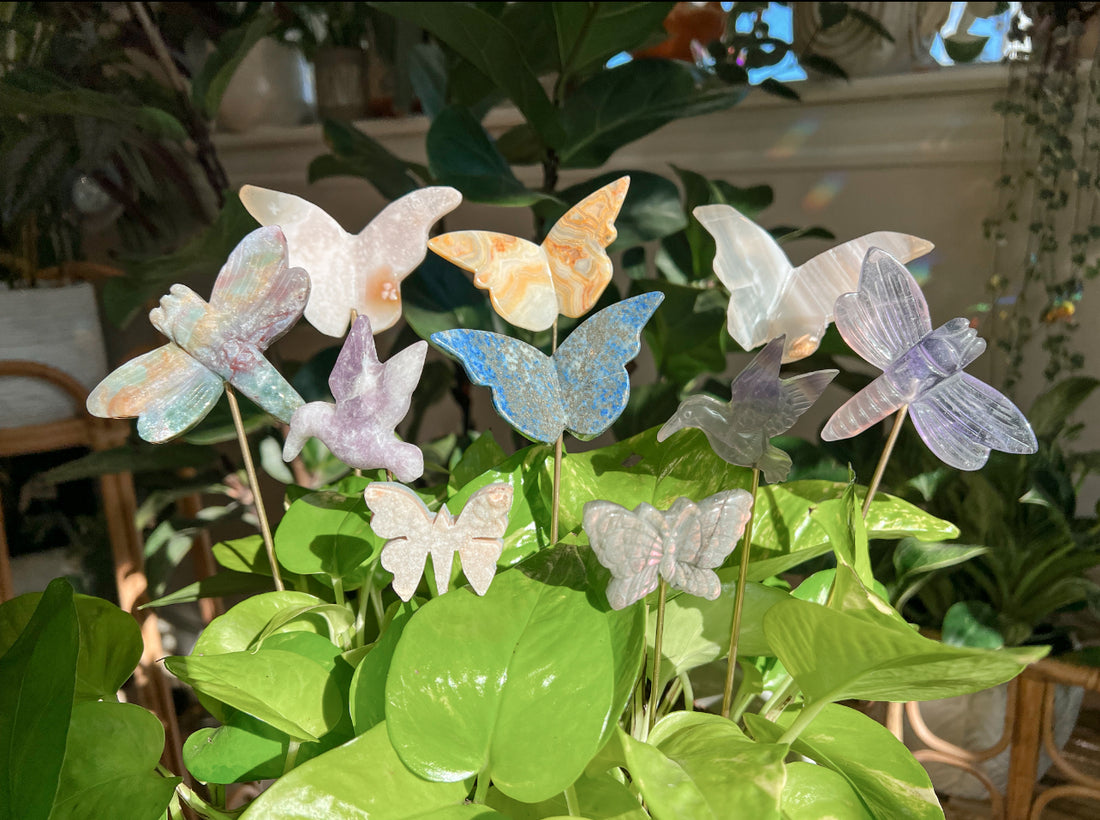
761 405
371 398
959 417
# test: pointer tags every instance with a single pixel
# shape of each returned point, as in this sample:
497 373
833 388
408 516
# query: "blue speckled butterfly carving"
582 388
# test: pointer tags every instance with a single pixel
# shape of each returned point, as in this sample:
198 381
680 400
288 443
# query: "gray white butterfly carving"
415 532
683 545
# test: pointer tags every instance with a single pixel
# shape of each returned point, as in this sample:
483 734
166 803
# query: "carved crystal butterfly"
769 297
256 299
360 272
683 545
959 417
371 398
582 388
415 532
529 284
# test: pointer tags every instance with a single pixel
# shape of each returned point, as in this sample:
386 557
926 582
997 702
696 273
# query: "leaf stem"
805 718
738 604
689 692
338 591
482 788
291 755
571 803
654 683
254 484
880 468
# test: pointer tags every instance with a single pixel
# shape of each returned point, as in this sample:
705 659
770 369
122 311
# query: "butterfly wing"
751 265
574 247
166 389
400 516
257 292
525 383
390 247
479 531
962 418
627 544
887 315
591 364
806 303
514 271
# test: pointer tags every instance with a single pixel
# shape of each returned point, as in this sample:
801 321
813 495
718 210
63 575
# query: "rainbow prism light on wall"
683 545
959 417
371 399
360 272
476 534
583 387
769 297
761 405
530 285
256 298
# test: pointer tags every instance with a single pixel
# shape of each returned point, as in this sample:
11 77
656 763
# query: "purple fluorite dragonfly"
959 417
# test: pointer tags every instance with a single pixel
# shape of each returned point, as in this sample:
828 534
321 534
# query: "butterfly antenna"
254 485
735 624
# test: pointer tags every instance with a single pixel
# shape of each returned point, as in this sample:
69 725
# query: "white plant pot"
56 326
976 722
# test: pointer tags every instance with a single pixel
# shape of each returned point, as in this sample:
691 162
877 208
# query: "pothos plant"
527 697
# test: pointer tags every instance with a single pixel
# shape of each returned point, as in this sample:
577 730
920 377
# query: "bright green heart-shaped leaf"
819 586
241 750
786 534
812 792
37 682
871 653
697 631
473 680
600 798
846 529
328 533
528 472
361 780
482 455
110 765
237 629
367 697
110 642
687 772
875 763
972 623
283 689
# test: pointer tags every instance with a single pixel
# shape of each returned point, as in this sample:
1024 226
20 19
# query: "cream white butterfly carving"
414 532
769 297
360 272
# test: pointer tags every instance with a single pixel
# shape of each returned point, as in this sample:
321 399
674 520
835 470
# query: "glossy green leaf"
785 533
281 688
110 642
463 155
641 469
328 533
488 44
528 472
683 334
233 46
238 629
812 792
473 680
600 798
241 750
872 654
37 682
110 765
964 48
818 588
482 455
651 209
590 33
356 154
685 771
913 558
361 780
440 296
877 765
697 631
620 105
1051 410
972 623
846 529
367 698
133 457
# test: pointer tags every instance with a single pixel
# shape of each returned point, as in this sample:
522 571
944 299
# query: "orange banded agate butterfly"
529 284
